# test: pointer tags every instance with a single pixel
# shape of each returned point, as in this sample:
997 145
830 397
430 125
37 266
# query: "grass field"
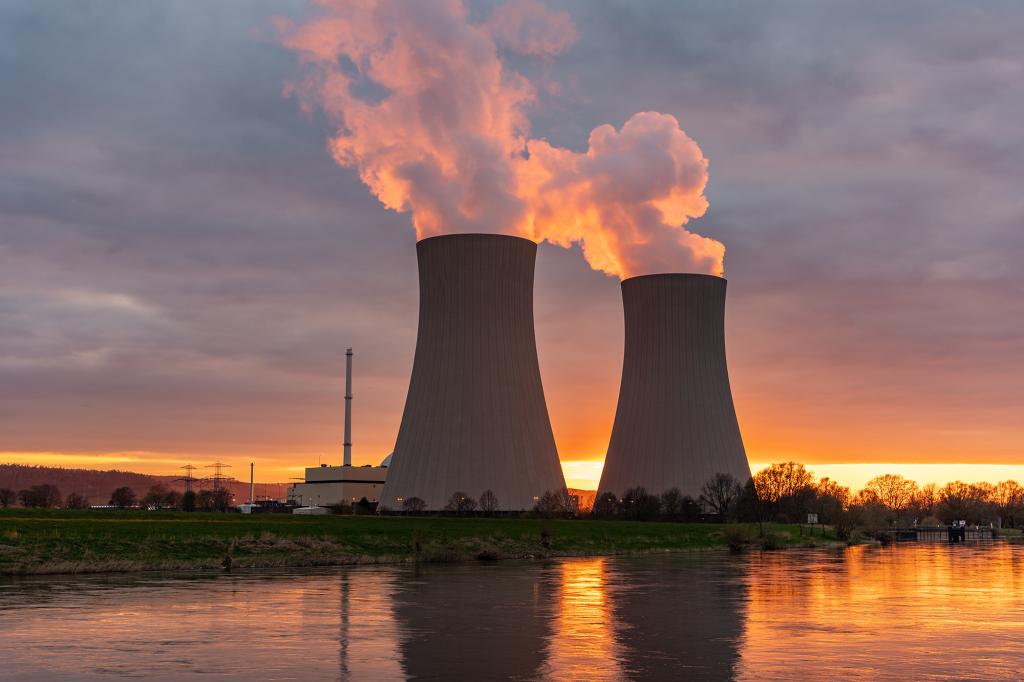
36 541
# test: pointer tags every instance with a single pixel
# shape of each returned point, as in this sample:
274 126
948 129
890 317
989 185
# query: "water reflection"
914 612
582 643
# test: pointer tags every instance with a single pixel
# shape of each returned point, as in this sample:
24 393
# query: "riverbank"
34 541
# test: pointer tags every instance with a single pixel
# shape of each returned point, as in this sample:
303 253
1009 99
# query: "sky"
182 262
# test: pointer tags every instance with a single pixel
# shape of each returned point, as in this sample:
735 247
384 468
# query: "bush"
606 506
639 505
413 505
460 503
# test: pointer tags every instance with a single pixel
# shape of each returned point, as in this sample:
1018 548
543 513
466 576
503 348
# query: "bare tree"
556 503
721 492
640 505
606 506
76 501
488 502
782 480
460 503
123 497
45 495
671 503
895 492
7 497
1009 499
413 505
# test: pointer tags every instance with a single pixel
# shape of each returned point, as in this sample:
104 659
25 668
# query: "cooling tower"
475 417
675 424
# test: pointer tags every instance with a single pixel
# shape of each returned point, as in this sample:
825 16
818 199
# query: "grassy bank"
51 541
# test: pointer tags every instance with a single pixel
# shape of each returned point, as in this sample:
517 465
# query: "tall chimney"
347 458
675 424
252 481
475 417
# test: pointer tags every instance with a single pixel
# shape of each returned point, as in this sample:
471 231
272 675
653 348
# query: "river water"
909 612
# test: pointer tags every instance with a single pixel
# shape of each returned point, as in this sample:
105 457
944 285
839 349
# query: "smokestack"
475 417
347 457
675 424
252 481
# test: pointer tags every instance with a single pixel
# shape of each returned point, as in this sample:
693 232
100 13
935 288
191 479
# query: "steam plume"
436 125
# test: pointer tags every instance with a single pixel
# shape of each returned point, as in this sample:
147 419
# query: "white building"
328 485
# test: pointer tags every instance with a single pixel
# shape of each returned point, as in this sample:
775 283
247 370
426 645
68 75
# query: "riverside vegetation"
37 541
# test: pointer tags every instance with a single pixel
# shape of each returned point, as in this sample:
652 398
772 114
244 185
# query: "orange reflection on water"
853 614
582 644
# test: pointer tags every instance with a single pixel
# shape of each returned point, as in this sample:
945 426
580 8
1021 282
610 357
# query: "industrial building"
330 485
325 486
675 424
475 417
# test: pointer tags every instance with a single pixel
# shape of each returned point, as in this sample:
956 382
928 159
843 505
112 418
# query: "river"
909 612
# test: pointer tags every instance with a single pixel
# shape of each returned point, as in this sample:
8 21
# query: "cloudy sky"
182 263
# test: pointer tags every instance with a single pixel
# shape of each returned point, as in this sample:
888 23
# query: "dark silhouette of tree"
45 495
690 509
460 503
606 506
671 503
831 501
720 493
76 501
1009 500
172 500
959 501
7 497
413 505
123 497
188 501
488 502
639 505
156 497
555 503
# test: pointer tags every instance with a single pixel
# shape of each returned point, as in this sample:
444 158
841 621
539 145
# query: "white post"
347 461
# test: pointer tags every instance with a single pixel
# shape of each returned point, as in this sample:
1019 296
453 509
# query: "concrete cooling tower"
475 417
675 424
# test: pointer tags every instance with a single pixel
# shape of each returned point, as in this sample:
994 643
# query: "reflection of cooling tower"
675 425
475 417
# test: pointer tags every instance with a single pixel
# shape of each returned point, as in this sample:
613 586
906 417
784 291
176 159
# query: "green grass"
57 541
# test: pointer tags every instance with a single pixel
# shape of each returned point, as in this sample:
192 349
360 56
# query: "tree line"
159 496
784 493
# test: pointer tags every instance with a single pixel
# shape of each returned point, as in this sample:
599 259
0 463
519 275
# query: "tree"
778 481
188 501
894 492
555 503
831 501
1009 499
720 492
76 501
640 505
606 506
123 497
172 500
460 503
671 503
959 501
156 497
214 500
45 495
413 505
488 502
7 497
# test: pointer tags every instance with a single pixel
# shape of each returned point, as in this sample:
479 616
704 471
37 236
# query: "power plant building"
675 423
475 417
324 485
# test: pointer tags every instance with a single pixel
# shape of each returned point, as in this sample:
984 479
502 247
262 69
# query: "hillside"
97 485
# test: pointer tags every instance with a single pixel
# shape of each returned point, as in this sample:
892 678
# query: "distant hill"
97 485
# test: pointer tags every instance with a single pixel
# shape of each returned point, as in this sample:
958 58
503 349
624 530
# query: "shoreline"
60 542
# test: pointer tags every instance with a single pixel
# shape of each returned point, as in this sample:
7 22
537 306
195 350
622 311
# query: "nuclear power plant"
475 416
675 424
